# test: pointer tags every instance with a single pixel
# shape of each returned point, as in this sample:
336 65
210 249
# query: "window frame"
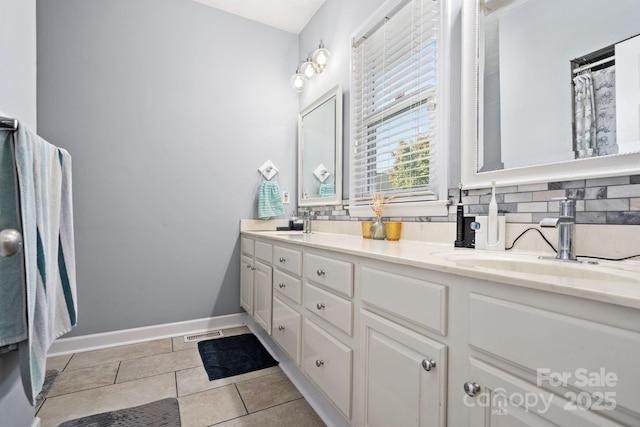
409 206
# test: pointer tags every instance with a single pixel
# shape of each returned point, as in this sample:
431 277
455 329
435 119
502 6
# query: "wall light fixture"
315 64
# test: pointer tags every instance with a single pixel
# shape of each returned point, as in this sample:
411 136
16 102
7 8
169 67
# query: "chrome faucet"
306 225
566 224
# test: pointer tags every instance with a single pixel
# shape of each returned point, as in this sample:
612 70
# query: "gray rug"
161 413
50 377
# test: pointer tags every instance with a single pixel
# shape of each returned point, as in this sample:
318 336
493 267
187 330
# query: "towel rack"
268 170
8 123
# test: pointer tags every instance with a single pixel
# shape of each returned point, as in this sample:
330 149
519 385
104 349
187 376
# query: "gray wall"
168 107
17 99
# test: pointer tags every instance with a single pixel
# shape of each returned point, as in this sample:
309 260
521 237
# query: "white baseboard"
131 336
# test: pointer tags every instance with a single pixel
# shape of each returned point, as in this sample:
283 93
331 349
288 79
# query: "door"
496 398
13 327
262 295
246 283
405 376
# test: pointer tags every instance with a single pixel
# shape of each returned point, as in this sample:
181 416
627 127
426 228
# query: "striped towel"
44 177
269 200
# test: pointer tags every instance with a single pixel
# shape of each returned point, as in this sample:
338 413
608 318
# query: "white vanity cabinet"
397 342
256 279
327 350
287 296
246 274
538 358
404 372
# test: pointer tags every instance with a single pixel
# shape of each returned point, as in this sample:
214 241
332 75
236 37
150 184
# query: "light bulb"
297 81
308 70
320 57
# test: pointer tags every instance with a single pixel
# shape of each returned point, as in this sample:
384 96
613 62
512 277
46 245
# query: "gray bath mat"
50 377
161 413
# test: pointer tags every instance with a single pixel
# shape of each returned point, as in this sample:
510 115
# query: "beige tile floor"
120 377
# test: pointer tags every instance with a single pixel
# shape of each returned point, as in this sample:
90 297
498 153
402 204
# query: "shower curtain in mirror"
595 113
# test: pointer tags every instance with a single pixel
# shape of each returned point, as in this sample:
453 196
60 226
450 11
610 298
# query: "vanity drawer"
287 324
550 343
332 308
287 285
264 251
330 273
288 259
246 245
417 301
328 362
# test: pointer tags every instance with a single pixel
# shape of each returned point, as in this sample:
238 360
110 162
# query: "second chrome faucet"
566 224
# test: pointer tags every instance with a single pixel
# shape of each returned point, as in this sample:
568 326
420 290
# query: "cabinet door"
286 328
404 378
262 295
500 399
246 283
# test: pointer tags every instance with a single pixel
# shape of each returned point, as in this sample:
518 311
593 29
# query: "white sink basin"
532 265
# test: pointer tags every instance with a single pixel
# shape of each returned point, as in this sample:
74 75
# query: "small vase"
378 230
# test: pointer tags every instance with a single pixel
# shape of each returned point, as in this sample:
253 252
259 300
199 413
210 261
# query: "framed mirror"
320 151
521 112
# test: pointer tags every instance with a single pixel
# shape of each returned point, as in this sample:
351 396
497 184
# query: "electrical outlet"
285 197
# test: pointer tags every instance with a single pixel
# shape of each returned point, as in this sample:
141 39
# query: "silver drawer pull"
281 285
320 305
472 389
320 272
283 259
428 364
319 363
281 328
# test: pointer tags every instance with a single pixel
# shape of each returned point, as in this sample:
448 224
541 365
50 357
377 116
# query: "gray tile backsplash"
614 200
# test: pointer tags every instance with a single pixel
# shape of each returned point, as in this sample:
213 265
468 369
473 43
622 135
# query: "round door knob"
428 364
281 285
472 389
319 363
320 305
320 272
10 242
281 328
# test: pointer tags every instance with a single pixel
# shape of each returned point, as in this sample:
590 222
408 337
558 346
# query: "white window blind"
394 99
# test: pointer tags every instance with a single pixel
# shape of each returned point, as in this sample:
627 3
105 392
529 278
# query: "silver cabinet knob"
281 328
428 364
320 305
248 266
281 285
283 259
10 242
320 272
472 389
319 363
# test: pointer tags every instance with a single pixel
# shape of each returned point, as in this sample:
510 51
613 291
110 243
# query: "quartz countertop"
615 282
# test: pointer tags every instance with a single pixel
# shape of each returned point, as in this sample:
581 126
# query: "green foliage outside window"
411 165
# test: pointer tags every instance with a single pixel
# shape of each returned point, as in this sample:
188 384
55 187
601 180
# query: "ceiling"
287 15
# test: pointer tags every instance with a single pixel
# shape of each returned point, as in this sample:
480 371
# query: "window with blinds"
394 101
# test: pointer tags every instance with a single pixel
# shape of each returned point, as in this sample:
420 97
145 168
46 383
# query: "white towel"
44 177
